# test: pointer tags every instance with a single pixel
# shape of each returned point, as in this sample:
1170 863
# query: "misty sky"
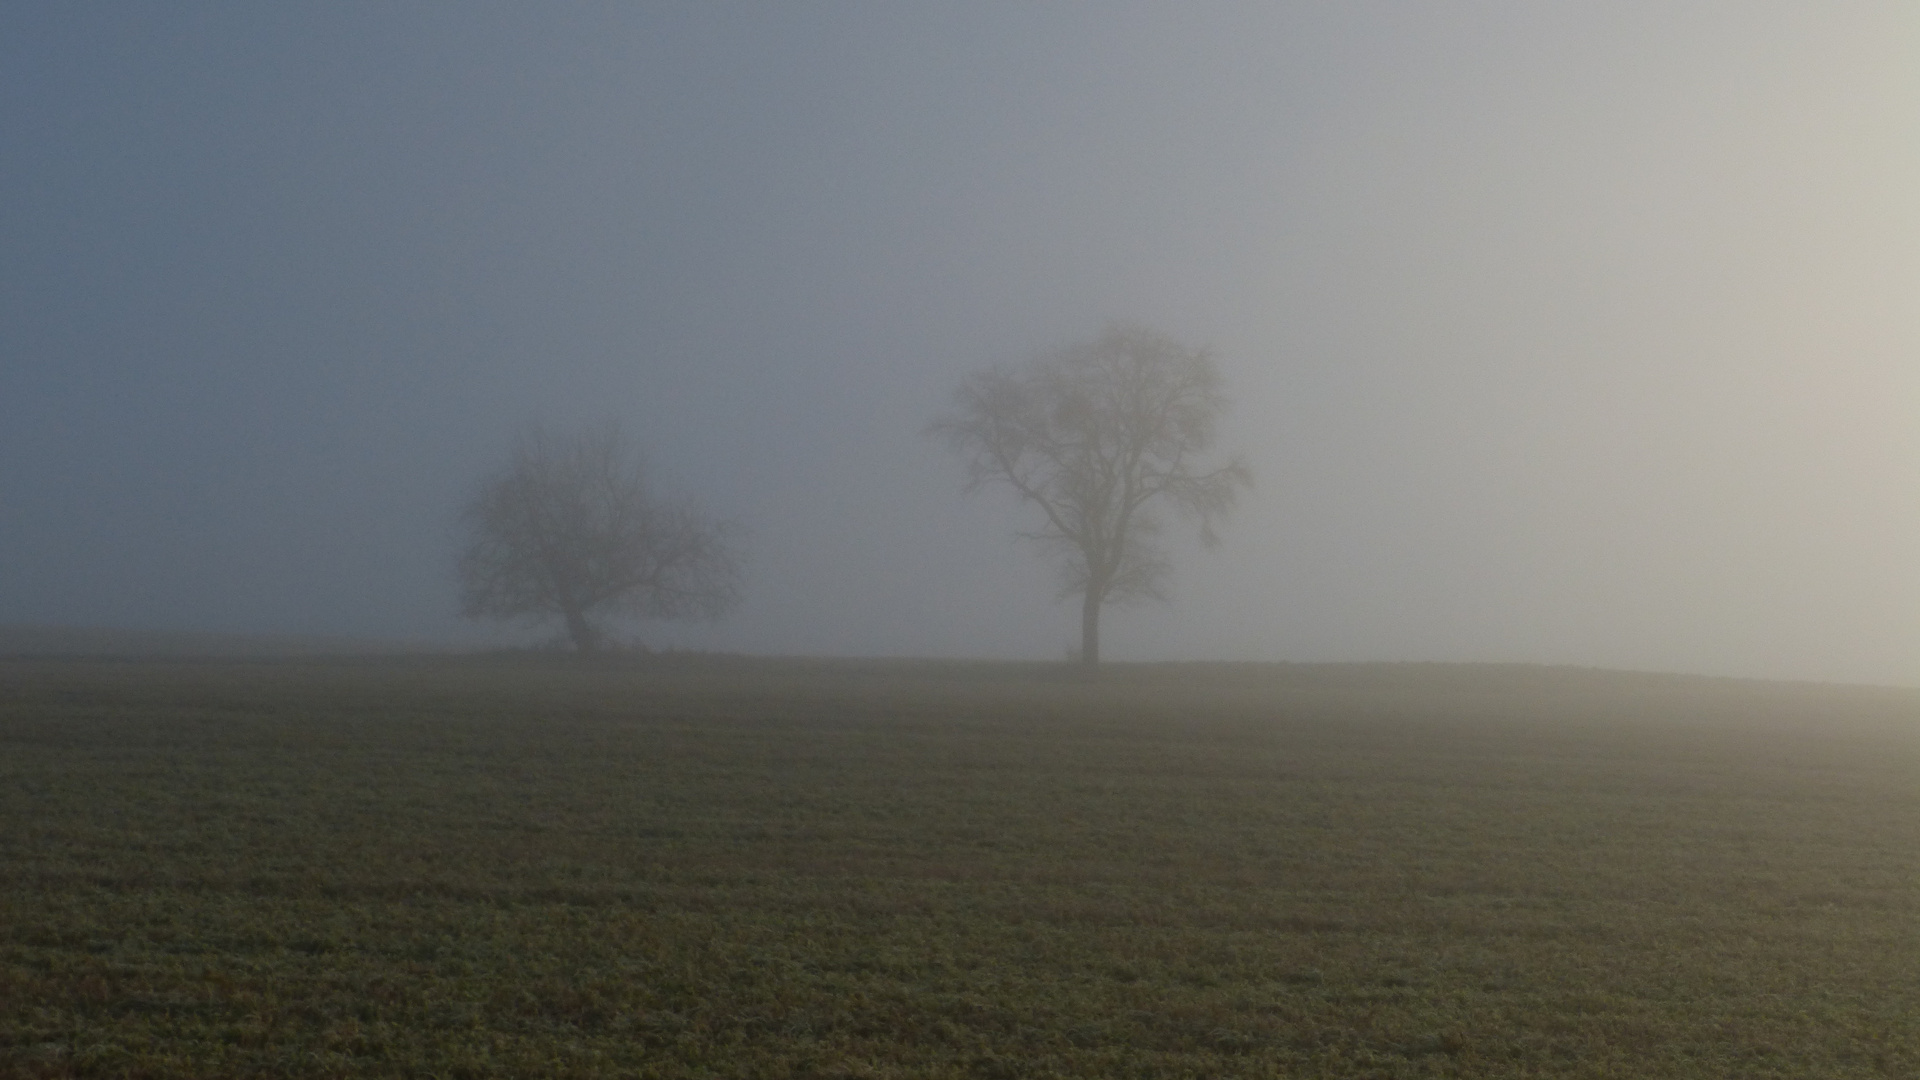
1563 332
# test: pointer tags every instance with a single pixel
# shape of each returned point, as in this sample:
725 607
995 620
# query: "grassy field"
691 867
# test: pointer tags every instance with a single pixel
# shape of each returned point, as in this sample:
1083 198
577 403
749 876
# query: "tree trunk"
586 640
1090 627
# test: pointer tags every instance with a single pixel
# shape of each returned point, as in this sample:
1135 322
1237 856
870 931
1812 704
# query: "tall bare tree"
569 530
1100 436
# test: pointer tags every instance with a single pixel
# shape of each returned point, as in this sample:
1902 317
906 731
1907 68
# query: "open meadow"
711 867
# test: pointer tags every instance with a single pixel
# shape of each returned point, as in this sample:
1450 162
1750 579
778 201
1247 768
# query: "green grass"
756 868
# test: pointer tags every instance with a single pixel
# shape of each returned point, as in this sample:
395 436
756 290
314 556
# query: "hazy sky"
1562 332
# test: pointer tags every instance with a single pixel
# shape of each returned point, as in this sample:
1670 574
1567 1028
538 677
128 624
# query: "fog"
1572 333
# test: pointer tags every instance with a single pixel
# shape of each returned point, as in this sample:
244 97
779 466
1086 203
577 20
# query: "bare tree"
1100 436
570 530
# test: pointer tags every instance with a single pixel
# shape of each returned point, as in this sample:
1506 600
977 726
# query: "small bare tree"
1099 436
569 530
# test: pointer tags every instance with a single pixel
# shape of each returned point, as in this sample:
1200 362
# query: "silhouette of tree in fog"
569 530
1100 436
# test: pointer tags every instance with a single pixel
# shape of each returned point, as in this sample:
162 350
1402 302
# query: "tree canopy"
1100 436
570 530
